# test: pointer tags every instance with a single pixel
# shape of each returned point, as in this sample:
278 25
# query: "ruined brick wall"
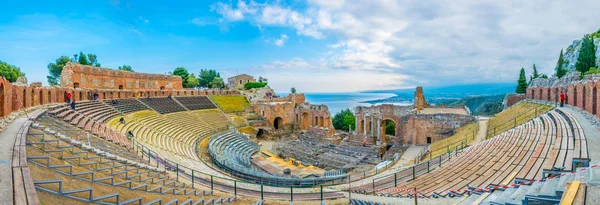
83 76
580 93
511 99
296 114
423 129
419 100
19 96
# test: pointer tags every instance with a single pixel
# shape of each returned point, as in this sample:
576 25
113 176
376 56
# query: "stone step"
582 176
562 183
493 196
504 196
534 189
517 197
549 188
470 199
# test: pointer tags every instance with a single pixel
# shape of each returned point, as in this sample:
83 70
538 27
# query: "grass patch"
515 115
247 130
231 104
464 134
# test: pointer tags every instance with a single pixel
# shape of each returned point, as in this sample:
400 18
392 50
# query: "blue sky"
316 46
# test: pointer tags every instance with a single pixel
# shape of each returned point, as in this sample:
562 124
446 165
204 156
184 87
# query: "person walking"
562 98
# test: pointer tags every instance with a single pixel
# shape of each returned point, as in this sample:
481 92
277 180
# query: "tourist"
130 134
562 98
95 96
73 104
364 143
122 120
68 97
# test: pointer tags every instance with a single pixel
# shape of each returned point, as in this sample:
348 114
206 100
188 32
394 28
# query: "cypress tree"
560 71
535 75
587 55
522 82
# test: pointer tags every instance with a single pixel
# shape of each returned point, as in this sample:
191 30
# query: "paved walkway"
7 141
592 133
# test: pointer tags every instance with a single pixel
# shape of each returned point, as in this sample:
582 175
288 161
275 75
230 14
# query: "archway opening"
32 99
387 127
548 94
2 99
595 100
260 134
24 103
40 98
49 97
80 96
321 122
428 140
575 96
584 98
316 122
278 123
361 126
65 96
304 121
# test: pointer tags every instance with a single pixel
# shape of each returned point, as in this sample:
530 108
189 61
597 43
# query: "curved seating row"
162 105
196 102
126 105
173 136
90 115
54 149
537 149
232 151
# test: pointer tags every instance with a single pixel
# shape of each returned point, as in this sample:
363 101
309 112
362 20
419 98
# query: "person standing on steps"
562 98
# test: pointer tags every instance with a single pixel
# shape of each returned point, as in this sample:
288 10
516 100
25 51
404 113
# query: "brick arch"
304 121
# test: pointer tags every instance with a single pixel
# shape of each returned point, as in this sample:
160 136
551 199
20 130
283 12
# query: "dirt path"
483 122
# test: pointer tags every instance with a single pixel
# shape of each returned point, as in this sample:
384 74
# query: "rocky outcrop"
572 52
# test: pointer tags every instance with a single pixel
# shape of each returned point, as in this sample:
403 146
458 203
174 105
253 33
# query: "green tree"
192 81
126 68
349 122
343 119
262 80
535 75
10 72
293 90
55 69
183 73
207 76
560 70
587 55
390 128
522 82
217 82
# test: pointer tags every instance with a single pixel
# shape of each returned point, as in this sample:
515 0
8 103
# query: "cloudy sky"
316 46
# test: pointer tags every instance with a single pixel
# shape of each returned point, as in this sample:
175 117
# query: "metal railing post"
395 180
192 178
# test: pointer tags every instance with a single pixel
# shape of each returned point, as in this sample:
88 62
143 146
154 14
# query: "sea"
340 101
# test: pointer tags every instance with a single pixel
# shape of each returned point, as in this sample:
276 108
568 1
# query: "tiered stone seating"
127 105
61 159
522 154
232 151
196 102
313 151
173 136
90 116
162 105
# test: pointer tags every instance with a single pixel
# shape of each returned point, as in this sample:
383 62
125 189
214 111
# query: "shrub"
250 85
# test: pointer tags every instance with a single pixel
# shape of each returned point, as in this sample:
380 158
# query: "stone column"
372 127
356 125
378 128
365 125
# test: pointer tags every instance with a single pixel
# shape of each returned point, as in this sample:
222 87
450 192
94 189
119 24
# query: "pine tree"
522 82
560 71
587 55
535 75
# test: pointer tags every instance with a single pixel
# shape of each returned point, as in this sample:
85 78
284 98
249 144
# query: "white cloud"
142 20
281 40
229 13
435 42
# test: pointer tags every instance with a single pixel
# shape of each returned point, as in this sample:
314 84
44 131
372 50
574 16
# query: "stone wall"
292 112
423 129
582 94
411 127
84 76
511 99
19 96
